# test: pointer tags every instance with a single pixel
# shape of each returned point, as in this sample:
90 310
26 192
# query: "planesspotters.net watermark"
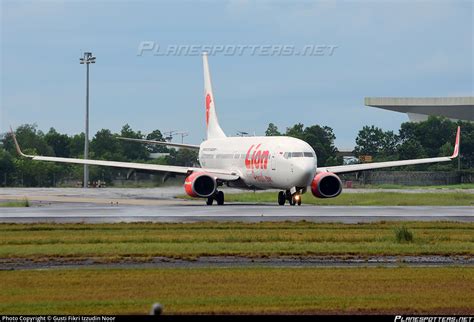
400 318
155 49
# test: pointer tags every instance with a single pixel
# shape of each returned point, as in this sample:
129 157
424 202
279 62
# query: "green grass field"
364 199
399 186
114 242
399 290
21 203
395 290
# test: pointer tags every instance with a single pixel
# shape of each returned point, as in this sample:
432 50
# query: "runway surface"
158 205
76 213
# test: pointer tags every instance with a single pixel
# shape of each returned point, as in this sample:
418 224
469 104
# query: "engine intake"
326 185
200 184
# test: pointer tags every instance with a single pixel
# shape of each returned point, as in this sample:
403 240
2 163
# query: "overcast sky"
383 48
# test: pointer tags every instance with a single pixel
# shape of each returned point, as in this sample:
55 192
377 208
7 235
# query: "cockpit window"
288 155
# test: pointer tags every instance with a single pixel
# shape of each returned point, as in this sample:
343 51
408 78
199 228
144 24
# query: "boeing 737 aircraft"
284 163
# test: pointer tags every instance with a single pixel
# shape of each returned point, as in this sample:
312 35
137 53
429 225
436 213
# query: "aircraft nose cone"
304 172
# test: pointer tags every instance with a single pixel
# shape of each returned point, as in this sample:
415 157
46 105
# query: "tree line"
434 137
15 170
431 138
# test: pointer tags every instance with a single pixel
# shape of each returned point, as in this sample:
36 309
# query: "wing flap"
115 164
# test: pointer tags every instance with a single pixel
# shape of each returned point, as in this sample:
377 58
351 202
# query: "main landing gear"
218 196
293 199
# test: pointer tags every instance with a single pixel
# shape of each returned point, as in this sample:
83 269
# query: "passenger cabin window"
297 154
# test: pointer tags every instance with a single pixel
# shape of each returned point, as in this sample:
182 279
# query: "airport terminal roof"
419 108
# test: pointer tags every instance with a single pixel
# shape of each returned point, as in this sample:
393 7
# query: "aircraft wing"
178 145
221 174
388 164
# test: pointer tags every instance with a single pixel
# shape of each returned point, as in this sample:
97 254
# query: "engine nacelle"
200 184
326 185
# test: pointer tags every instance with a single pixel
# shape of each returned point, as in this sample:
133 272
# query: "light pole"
87 59
182 134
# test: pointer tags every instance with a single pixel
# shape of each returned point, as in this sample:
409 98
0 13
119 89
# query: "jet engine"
200 184
326 185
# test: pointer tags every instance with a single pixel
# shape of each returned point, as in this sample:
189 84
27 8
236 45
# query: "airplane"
259 162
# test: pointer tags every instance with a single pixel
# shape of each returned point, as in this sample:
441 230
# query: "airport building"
419 108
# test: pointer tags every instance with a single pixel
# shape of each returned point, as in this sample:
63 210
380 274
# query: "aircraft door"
274 157
235 159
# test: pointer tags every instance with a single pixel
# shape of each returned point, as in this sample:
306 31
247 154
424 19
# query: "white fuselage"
262 162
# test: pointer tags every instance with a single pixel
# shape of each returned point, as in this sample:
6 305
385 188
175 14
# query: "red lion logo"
208 107
258 159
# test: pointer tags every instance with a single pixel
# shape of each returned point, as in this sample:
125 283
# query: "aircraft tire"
281 198
220 198
292 201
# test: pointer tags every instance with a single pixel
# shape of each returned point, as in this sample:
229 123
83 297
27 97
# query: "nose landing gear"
293 199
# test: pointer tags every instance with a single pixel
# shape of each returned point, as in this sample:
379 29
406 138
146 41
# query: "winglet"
456 145
16 143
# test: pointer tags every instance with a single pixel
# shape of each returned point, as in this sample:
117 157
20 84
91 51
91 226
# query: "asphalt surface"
158 205
236 261
78 213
